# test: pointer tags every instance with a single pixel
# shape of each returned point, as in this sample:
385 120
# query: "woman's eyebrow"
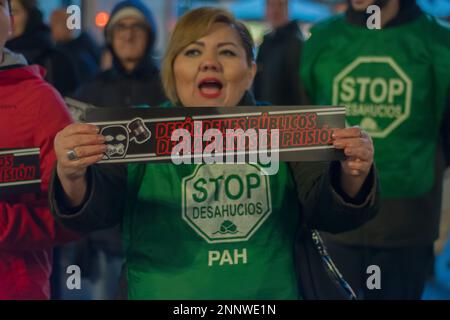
226 44
221 44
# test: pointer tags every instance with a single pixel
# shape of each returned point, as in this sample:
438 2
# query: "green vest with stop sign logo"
217 231
393 83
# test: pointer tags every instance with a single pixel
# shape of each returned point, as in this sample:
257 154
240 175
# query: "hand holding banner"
195 135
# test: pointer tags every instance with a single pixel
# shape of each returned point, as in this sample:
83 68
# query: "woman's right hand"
84 141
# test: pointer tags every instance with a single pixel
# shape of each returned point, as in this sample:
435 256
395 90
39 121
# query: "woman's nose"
210 65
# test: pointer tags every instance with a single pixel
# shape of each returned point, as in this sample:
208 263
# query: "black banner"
19 171
298 133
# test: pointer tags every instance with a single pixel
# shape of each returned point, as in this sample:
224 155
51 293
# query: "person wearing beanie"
134 77
394 83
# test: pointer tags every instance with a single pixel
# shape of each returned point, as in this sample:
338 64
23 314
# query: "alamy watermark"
74 17
374 280
259 147
374 21
73 281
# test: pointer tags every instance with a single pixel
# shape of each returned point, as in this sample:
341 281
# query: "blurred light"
101 19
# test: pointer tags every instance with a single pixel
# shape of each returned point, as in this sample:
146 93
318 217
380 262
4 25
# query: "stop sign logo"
226 203
376 93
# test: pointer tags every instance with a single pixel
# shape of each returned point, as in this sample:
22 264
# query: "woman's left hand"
358 148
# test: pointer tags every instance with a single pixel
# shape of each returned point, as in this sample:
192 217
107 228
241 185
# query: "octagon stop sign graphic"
376 93
226 203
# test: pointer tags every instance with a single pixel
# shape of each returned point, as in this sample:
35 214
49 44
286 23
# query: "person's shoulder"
49 104
268 40
435 22
329 24
438 27
435 33
293 31
321 32
34 83
41 100
49 96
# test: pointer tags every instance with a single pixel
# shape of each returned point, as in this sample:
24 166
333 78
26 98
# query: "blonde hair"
192 26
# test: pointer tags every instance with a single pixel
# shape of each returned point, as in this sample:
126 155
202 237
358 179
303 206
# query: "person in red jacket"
31 113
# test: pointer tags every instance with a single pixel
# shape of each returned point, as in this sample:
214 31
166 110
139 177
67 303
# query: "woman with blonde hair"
216 231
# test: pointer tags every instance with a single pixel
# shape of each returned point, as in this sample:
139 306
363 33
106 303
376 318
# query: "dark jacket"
118 88
85 54
411 221
37 47
323 206
278 78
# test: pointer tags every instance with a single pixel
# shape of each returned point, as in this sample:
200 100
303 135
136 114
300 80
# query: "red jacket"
31 113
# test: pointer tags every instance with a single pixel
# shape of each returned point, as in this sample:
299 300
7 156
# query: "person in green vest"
393 82
217 231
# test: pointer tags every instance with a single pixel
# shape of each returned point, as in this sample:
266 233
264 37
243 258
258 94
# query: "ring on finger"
72 155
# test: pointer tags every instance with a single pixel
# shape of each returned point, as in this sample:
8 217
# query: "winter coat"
32 113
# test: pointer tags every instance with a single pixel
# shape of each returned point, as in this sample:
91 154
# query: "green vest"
393 82
210 232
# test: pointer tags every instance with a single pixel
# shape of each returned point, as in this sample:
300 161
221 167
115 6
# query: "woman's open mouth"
210 88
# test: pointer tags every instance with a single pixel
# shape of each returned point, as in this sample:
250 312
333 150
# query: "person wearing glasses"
133 78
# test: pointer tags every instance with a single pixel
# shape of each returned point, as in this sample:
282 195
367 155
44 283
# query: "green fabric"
177 251
393 82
